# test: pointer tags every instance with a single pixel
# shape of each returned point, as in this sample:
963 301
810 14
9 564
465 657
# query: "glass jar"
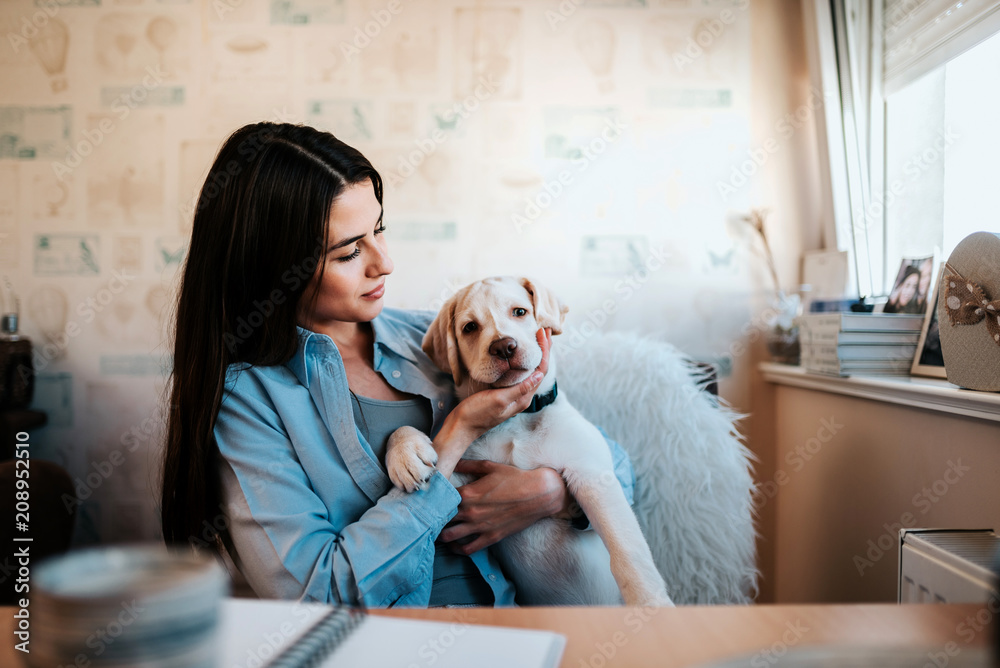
782 327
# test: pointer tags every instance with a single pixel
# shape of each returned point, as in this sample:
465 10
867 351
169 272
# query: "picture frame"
911 288
928 360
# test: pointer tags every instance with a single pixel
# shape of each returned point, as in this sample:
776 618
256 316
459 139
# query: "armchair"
693 494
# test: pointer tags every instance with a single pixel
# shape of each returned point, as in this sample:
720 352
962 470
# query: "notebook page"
409 643
254 631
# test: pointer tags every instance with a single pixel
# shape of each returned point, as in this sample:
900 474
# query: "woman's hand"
486 409
501 501
480 412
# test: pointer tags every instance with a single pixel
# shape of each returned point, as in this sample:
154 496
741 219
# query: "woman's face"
908 288
357 262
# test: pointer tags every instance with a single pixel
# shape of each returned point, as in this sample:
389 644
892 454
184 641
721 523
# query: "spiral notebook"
287 634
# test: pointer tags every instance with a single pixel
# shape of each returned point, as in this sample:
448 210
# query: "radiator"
947 566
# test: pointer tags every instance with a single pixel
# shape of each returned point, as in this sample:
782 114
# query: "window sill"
925 393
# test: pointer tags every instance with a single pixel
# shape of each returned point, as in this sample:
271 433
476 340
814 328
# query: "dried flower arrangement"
756 219
783 331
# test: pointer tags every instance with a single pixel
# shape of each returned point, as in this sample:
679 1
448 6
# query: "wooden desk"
604 637
691 635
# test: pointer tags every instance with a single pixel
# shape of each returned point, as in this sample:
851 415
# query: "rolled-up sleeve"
623 467
286 542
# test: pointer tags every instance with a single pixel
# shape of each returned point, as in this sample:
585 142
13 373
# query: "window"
911 126
942 140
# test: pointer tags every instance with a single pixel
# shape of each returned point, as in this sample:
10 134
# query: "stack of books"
844 344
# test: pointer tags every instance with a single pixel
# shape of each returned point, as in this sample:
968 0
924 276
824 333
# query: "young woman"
288 378
906 297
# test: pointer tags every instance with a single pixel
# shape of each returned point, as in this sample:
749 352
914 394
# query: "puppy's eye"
520 312
469 328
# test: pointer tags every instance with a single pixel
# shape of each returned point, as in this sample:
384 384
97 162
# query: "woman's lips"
375 294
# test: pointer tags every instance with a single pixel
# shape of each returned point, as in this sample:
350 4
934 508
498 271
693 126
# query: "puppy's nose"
503 348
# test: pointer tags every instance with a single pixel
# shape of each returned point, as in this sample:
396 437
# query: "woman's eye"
348 258
380 229
469 327
520 312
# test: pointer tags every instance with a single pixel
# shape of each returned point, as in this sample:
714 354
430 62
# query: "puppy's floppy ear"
439 342
549 309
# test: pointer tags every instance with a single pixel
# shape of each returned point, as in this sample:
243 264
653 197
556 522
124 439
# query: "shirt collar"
389 334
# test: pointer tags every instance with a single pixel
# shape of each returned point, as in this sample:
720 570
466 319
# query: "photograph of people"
909 292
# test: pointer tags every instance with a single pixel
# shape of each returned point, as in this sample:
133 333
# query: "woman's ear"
440 344
549 309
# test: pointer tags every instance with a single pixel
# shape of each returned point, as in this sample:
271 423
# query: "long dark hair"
259 234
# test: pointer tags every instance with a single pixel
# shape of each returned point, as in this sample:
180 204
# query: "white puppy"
485 336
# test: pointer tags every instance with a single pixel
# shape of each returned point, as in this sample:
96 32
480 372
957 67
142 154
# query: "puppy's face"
486 333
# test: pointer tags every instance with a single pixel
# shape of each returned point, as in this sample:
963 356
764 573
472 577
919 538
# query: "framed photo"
911 287
928 360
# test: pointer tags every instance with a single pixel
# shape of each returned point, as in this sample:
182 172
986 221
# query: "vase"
782 328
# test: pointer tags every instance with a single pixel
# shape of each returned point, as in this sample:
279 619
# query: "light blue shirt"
310 510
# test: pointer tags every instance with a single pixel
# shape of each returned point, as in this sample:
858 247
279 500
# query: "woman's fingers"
524 391
486 409
455 532
484 540
544 337
526 388
476 467
503 501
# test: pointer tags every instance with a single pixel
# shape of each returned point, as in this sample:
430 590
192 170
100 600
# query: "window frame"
845 43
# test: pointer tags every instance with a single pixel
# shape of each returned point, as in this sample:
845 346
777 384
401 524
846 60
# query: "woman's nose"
381 264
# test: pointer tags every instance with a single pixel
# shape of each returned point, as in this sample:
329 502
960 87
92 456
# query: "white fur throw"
693 473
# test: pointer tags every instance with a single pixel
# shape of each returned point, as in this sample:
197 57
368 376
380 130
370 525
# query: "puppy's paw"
410 459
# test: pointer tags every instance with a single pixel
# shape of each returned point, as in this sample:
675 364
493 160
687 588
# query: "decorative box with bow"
969 313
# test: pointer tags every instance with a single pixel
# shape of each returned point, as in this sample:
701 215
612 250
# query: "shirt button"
396 374
493 577
440 404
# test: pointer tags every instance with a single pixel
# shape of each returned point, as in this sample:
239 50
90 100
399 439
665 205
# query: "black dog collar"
540 401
